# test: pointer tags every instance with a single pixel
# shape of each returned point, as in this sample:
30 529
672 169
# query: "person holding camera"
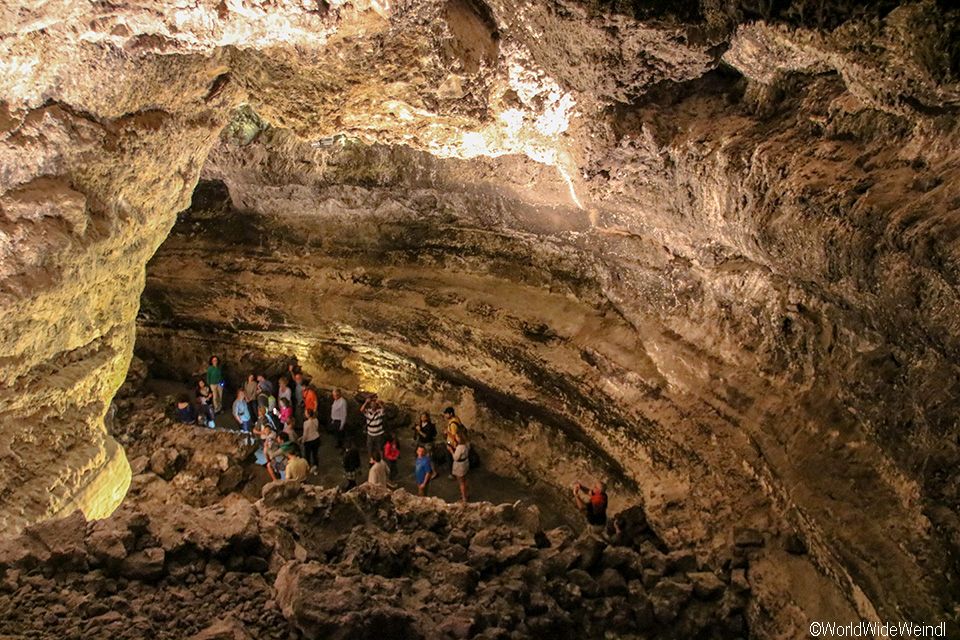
372 410
594 506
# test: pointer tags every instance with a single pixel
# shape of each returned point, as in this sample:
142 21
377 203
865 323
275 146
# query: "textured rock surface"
751 318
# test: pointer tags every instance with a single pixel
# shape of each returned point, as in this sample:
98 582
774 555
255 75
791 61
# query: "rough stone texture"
304 562
750 321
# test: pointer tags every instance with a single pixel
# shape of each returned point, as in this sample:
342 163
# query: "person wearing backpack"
455 429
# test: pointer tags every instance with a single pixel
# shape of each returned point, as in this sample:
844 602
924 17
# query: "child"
391 453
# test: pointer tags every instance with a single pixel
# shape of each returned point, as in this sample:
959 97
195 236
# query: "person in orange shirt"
310 400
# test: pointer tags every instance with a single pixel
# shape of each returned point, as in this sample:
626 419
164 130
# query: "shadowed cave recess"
705 252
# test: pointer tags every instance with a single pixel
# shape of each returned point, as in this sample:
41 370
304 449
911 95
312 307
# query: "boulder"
224 629
166 462
746 537
668 597
611 583
590 550
139 465
681 561
144 565
588 586
231 479
706 585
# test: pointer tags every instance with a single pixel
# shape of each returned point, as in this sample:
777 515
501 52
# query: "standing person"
351 464
379 470
285 412
372 411
284 391
391 453
425 432
205 402
461 464
251 390
264 384
297 467
595 507
338 417
454 427
298 389
266 399
455 432
241 411
423 470
311 439
310 400
215 382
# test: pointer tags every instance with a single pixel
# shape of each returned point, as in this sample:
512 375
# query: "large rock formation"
708 248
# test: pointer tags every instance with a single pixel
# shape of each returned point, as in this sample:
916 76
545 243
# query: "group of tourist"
286 421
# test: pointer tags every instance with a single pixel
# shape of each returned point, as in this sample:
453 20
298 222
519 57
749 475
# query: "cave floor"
485 484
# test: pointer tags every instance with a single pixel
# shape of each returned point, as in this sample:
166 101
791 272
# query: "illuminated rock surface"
709 256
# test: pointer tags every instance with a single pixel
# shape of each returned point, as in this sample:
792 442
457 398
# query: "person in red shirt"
595 508
391 453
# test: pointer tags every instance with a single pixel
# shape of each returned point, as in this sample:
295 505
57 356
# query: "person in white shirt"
378 471
338 417
461 465
311 439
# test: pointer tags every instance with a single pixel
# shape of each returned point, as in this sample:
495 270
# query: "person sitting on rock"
311 439
278 458
241 412
297 467
595 507
185 411
423 470
378 470
205 402
391 453
372 410
351 464
267 435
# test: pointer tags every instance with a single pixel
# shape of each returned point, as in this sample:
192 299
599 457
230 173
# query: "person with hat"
297 467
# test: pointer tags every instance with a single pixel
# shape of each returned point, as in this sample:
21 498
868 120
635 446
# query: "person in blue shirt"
423 470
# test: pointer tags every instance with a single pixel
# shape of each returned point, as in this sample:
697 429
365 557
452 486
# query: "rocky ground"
194 551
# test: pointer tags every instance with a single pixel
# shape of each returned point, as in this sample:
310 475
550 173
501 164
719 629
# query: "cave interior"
706 253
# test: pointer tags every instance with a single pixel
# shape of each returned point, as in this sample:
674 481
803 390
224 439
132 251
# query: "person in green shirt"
215 382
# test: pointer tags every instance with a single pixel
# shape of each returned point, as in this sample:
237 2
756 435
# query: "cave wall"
753 205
